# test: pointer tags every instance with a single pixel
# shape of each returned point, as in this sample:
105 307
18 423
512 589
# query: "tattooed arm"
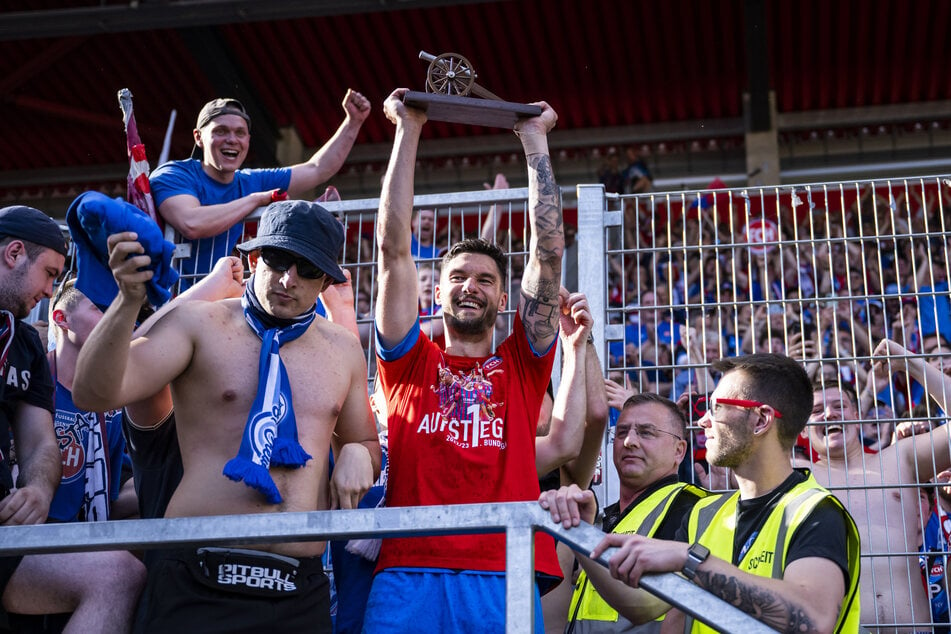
806 599
538 304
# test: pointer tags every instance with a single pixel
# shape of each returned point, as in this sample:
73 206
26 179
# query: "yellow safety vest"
714 521
588 610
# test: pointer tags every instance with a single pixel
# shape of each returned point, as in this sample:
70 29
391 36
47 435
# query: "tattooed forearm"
545 206
761 604
541 281
540 314
543 179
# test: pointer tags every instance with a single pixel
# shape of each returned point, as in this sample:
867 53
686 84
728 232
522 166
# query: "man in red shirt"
461 420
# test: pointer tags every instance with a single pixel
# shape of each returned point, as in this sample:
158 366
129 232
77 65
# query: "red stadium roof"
606 66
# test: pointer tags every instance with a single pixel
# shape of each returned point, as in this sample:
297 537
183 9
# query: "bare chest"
885 511
227 372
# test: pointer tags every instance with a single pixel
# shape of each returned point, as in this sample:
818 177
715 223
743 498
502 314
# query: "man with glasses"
782 548
207 197
649 445
251 442
883 487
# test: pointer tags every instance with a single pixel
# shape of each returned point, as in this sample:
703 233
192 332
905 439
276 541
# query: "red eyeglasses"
704 404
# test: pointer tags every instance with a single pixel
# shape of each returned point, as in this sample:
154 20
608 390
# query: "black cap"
303 228
216 108
27 223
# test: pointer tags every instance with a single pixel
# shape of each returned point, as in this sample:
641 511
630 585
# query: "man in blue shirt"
207 199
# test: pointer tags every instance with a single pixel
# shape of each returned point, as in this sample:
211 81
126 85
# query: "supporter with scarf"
247 438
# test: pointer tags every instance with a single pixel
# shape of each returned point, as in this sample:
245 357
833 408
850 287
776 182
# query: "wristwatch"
696 555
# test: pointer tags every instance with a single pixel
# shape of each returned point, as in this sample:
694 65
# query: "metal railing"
862 239
518 520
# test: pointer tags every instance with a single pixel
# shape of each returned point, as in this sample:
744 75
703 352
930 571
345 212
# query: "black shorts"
8 566
232 590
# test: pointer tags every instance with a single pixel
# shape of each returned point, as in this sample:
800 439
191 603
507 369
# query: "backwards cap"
217 107
32 225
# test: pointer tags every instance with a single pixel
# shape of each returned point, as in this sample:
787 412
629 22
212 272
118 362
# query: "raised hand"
356 106
128 263
398 112
575 320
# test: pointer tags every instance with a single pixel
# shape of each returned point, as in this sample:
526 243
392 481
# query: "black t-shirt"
156 464
676 514
25 378
551 481
821 534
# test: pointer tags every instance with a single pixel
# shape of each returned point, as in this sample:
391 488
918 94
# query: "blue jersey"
92 461
933 566
187 177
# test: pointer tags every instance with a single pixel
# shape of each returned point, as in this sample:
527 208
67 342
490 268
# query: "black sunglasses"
281 261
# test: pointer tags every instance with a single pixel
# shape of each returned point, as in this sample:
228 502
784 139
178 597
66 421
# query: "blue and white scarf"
270 435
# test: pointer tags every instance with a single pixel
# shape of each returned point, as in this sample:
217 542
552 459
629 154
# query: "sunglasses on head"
282 261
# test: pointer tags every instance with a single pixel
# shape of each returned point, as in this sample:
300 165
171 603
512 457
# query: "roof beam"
62 111
917 147
560 139
147 16
924 112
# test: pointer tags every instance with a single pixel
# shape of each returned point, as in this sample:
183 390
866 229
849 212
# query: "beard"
473 325
731 450
11 298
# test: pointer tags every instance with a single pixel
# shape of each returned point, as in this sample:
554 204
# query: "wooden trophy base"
486 112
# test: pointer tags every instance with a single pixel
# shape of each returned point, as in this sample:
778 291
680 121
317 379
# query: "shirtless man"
207 352
886 514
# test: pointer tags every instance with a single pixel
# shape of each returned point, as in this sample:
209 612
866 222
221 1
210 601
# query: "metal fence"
821 272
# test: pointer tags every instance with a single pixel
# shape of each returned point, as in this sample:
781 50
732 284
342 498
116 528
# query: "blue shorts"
433 600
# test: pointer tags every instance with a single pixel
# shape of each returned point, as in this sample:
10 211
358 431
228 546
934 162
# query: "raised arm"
397 306
564 438
111 370
328 160
490 226
581 469
538 304
923 455
341 310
